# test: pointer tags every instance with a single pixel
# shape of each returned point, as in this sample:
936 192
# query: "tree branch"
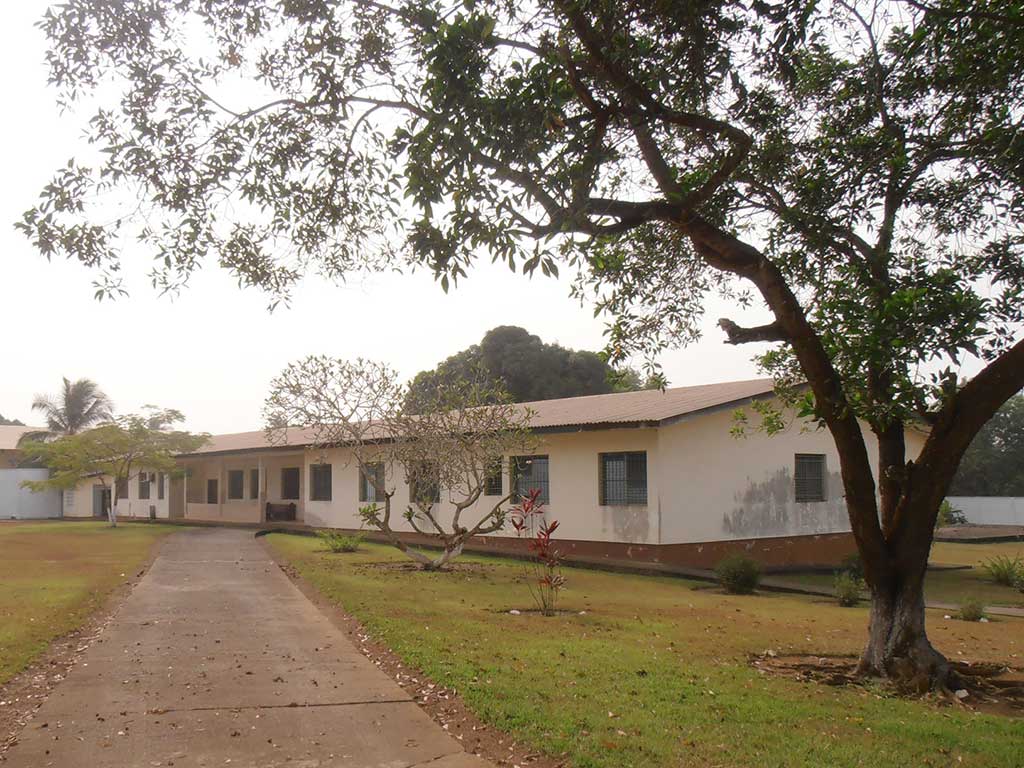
737 335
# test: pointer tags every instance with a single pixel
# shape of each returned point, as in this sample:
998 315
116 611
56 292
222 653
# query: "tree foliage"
121 449
994 464
10 422
527 369
857 166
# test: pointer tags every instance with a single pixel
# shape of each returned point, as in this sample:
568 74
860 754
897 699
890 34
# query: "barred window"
212 492
236 481
623 478
144 485
290 484
121 489
425 485
493 485
254 483
528 473
320 482
809 477
371 476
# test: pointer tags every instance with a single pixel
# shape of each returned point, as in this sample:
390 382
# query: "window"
290 483
370 478
121 491
320 482
212 494
144 485
529 472
623 478
809 477
160 486
492 480
425 485
254 483
236 479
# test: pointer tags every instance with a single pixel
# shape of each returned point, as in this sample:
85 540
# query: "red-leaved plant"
544 570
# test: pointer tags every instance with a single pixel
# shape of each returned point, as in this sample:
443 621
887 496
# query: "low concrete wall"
22 504
990 510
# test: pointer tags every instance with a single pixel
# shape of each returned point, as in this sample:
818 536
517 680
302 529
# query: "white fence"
20 503
990 510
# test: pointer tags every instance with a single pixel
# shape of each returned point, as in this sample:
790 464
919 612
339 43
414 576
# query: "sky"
212 351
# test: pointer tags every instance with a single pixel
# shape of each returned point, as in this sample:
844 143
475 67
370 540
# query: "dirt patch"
24 693
442 704
989 688
471 569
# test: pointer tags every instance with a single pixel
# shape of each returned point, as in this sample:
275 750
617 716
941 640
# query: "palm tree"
79 406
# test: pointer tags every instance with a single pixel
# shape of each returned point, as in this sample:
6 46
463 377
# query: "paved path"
216 659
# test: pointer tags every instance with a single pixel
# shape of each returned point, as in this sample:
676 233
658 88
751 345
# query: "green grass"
655 672
950 586
53 575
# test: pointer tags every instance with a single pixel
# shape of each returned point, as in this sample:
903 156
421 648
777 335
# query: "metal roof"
622 409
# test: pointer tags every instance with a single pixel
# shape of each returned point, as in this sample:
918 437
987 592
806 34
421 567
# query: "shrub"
847 589
544 570
739 574
949 515
1005 570
972 609
338 541
852 566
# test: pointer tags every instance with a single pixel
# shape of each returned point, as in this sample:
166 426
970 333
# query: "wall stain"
768 508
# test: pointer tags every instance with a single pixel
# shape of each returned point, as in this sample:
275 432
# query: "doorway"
100 501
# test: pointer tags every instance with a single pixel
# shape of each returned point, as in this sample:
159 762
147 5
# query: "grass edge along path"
56 575
646 671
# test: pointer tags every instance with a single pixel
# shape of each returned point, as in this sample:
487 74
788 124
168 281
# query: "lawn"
651 671
53 575
951 586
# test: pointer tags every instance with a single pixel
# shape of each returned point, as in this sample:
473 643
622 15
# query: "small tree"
451 445
455 442
121 449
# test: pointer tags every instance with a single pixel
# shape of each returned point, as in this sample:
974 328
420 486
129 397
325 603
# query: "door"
211 491
100 501
176 498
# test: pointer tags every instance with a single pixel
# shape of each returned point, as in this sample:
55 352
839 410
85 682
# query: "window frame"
802 494
236 482
144 486
604 498
254 484
321 482
366 488
161 482
122 488
212 484
298 483
515 468
414 495
494 479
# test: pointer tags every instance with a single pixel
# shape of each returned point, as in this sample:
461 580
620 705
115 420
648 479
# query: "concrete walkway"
216 659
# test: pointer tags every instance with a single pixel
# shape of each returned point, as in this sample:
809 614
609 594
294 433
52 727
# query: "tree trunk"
112 509
898 647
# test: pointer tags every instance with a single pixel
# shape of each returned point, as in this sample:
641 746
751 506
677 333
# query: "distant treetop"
529 369
10 422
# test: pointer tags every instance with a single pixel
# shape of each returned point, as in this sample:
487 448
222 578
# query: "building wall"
20 503
990 510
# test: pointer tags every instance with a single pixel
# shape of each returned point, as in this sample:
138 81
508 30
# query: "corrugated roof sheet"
9 436
646 407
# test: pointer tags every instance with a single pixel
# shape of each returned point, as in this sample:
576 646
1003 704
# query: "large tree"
519 363
120 449
81 404
10 422
856 165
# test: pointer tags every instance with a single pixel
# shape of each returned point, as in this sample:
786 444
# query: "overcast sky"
212 351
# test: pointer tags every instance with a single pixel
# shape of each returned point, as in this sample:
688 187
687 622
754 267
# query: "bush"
338 541
739 574
949 515
972 609
1005 570
847 589
852 566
